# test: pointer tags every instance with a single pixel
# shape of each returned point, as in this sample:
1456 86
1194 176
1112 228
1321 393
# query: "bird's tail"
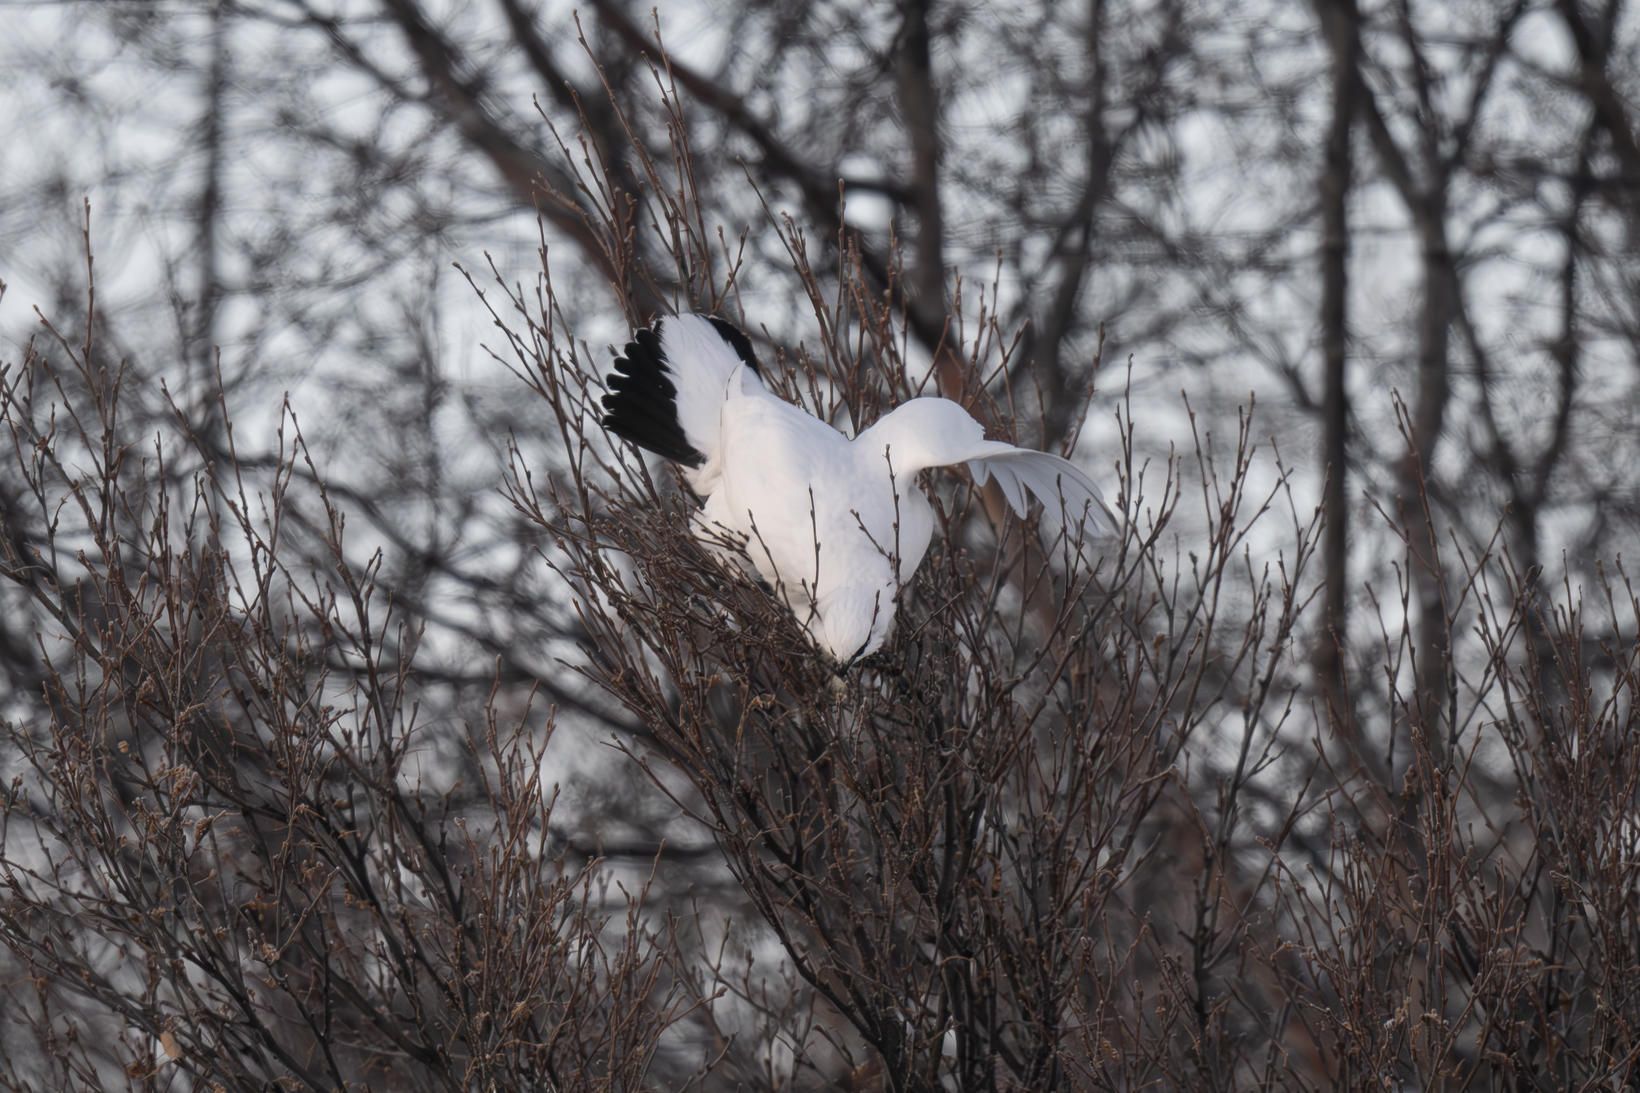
667 391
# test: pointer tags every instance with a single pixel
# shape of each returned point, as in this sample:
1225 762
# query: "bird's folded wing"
667 391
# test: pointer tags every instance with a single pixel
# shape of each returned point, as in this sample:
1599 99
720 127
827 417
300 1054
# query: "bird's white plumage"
706 371
835 525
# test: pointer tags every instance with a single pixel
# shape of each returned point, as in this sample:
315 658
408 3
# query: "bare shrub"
1090 822
219 853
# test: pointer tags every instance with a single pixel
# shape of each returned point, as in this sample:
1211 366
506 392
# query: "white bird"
835 526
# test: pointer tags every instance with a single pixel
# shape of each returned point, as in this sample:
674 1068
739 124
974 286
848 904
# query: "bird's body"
826 525
834 525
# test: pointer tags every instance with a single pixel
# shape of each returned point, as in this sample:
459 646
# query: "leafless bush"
1086 825
223 852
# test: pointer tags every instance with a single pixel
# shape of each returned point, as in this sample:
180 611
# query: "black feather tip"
642 403
738 341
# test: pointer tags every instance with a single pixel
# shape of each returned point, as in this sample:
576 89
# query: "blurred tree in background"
332 759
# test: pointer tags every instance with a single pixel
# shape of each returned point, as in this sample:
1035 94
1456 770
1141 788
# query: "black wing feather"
738 341
642 405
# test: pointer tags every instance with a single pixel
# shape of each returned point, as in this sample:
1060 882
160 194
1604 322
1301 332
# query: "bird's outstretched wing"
667 391
936 432
1052 480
